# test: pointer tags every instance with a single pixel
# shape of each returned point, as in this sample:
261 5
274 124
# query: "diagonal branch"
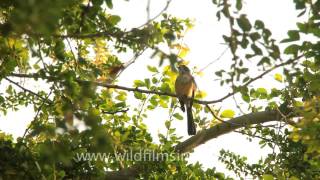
156 16
204 136
27 90
224 128
37 114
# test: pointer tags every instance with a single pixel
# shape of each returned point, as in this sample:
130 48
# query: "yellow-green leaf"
201 94
267 177
117 134
163 104
183 51
295 137
114 19
293 178
278 77
228 113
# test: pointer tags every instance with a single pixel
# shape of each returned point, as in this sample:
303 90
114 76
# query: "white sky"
205 43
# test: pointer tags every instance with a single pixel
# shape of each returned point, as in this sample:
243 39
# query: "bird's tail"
191 125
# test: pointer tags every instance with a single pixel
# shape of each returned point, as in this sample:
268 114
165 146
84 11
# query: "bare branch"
156 16
224 128
215 60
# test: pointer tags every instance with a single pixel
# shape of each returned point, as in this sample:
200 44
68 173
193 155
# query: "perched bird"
185 87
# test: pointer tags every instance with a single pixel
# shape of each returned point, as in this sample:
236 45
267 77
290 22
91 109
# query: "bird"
185 87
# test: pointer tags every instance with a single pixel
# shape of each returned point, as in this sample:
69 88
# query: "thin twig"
215 60
37 114
156 16
237 105
221 120
145 100
255 136
27 90
148 10
84 12
41 57
115 112
73 55
227 122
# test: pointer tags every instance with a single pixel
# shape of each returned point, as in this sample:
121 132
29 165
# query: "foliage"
69 47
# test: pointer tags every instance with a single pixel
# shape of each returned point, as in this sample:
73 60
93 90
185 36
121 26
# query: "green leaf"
167 124
239 4
120 104
248 56
264 60
262 91
243 70
121 97
97 2
178 116
163 103
244 23
259 24
292 49
302 27
138 83
244 42
165 87
254 36
147 82
36 66
228 113
219 73
293 178
246 97
152 69
1 99
109 4
256 49
266 34
275 53
117 133
114 19
138 95
267 177
278 77
154 80
293 36
154 100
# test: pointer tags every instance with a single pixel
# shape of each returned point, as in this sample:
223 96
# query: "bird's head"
183 69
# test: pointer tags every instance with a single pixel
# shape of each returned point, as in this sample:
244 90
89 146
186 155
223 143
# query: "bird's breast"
184 85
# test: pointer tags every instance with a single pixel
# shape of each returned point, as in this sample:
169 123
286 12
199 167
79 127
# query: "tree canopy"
73 48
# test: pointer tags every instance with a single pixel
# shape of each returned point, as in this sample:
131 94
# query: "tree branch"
223 128
204 136
38 113
156 16
27 90
115 112
113 86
